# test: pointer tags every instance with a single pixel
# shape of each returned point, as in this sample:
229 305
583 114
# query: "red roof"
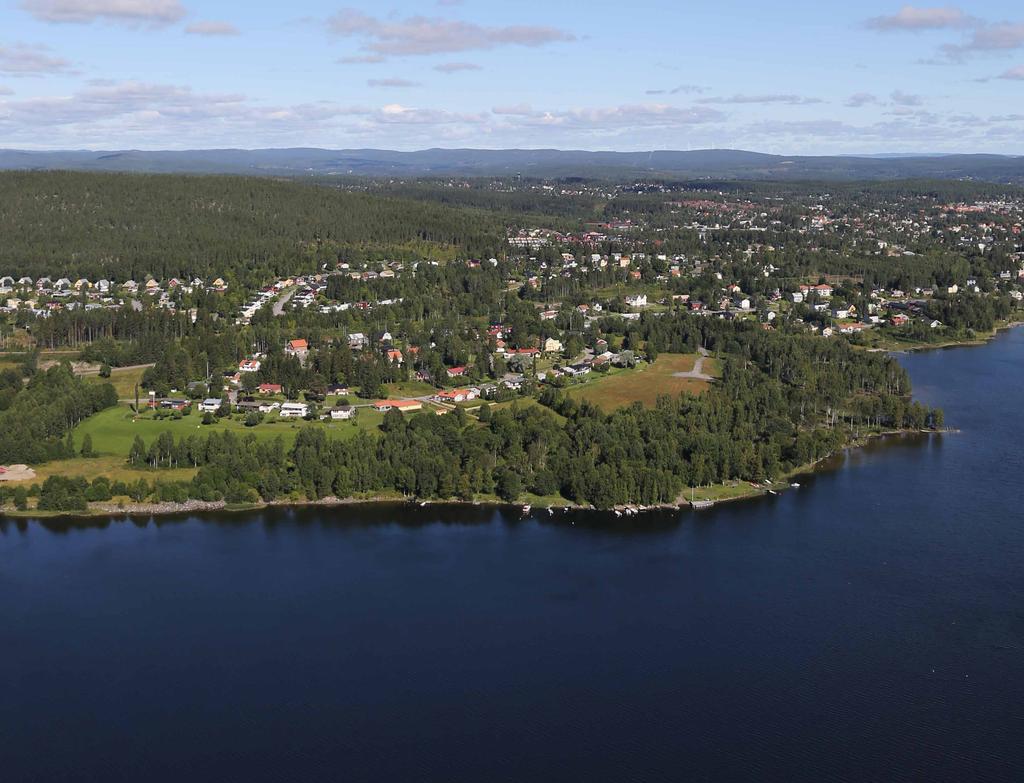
298 345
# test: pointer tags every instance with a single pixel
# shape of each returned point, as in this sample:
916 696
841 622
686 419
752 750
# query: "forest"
784 402
246 229
35 417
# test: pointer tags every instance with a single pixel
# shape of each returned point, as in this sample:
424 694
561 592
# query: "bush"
105 371
209 418
100 489
60 493
20 498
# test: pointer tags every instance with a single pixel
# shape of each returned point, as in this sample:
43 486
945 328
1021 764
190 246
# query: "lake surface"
869 626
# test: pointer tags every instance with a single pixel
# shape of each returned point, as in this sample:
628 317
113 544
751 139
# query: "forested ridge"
122 226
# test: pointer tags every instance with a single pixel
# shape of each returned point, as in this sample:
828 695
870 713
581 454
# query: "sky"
792 78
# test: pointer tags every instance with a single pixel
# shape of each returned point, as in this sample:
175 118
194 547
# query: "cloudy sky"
803 77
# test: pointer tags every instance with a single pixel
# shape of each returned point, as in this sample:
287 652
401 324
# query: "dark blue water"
869 626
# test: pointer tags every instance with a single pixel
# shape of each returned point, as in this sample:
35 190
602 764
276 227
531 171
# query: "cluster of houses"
44 296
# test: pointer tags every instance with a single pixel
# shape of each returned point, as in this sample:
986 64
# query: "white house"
640 300
211 405
294 410
342 413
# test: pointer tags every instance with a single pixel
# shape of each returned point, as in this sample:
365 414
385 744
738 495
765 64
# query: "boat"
700 504
551 511
618 513
526 509
794 485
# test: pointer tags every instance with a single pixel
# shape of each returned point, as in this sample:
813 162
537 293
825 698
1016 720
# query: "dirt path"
697 373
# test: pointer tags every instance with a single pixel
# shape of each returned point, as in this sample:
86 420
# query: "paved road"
280 303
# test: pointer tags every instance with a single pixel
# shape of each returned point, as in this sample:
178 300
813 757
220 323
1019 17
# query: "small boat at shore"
700 504
526 509
794 485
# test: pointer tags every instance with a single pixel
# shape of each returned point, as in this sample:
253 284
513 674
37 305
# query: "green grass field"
643 384
113 430
124 381
409 389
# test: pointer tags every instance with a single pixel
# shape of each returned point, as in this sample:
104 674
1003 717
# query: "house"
576 370
394 356
298 348
551 345
342 413
457 395
210 405
824 290
899 319
796 297
639 300
174 404
294 410
249 365
456 372
269 388
357 341
384 406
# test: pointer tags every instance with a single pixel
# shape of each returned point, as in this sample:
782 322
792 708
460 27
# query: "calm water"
868 627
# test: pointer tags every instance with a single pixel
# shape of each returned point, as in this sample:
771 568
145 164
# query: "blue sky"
795 78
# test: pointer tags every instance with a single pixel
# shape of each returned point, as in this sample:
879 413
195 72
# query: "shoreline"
978 340
117 512
125 511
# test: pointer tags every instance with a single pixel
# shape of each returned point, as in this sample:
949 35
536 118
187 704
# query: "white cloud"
901 98
792 100
132 12
420 35
650 115
912 18
362 59
211 28
682 88
859 99
988 38
4 90
456 67
26 60
392 83
1014 74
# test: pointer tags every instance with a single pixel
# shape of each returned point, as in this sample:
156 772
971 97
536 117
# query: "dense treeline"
784 401
248 229
35 418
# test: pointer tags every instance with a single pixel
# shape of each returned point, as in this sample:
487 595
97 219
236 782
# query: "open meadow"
643 384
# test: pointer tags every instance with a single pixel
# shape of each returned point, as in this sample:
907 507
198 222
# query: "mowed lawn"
114 429
644 384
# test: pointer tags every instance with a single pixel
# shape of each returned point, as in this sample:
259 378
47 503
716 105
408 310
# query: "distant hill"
693 164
